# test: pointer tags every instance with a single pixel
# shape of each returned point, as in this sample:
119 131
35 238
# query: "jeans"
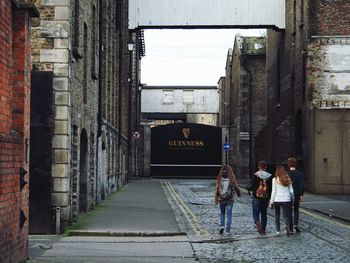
260 211
287 214
226 209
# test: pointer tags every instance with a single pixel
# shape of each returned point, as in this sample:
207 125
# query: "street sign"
226 146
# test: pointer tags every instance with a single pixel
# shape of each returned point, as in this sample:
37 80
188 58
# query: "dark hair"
228 170
292 162
262 165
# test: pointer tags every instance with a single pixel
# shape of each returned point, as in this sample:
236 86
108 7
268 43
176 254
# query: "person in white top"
282 196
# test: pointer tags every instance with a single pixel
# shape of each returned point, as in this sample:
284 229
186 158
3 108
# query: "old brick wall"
113 135
302 75
329 17
15 70
84 102
248 101
286 67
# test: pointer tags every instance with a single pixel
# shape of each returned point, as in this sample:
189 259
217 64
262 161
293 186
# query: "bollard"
58 220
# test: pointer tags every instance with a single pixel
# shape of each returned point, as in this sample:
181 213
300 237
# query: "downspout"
130 119
100 85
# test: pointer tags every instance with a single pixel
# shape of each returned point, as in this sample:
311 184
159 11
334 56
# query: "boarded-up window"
168 96
188 96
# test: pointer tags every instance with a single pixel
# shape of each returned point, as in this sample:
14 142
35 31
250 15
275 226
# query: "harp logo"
186 132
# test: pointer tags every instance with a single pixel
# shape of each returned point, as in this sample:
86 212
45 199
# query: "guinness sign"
185 145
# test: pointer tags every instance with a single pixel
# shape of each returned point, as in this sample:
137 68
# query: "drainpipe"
100 88
131 49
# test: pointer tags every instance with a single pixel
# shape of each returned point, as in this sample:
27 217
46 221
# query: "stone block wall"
51 52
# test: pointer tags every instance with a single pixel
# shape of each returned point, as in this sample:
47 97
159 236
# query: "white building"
166 104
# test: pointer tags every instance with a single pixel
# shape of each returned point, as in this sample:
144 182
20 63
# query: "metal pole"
58 220
226 151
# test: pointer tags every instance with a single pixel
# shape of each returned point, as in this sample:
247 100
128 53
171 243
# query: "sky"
188 56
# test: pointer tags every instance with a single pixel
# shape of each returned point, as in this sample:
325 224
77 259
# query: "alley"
148 232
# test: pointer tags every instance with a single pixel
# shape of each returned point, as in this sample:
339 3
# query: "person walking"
282 195
226 186
260 186
297 178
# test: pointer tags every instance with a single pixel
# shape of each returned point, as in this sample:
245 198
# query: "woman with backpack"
282 196
260 186
226 185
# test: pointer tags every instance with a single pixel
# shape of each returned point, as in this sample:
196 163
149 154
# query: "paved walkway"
137 224
336 206
141 208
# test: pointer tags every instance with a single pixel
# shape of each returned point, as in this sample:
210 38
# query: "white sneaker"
278 233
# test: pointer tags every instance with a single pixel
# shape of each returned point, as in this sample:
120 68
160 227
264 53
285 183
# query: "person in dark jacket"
297 178
260 186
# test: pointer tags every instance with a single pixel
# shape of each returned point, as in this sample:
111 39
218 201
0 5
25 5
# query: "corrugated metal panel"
206 13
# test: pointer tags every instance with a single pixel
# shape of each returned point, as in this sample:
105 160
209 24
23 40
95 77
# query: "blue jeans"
226 209
260 211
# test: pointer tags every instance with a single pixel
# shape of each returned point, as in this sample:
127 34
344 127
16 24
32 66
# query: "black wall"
185 150
41 132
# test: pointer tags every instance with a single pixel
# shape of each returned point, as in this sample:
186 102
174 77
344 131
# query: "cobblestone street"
321 240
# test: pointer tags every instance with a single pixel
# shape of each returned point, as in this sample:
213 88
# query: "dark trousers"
295 210
260 211
287 214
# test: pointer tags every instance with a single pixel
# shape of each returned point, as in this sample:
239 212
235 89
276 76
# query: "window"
76 23
85 74
76 41
93 44
188 96
168 96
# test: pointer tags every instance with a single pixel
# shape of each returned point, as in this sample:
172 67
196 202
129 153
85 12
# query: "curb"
124 234
328 214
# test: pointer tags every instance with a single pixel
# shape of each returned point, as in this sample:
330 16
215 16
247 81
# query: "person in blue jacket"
297 178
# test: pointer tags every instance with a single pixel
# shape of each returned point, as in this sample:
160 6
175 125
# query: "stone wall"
248 99
83 43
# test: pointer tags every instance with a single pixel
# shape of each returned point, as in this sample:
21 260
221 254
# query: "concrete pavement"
135 224
140 208
334 206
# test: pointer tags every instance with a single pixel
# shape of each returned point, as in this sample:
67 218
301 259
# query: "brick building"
245 102
15 67
308 83
80 102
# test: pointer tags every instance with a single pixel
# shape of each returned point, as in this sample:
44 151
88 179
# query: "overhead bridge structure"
206 14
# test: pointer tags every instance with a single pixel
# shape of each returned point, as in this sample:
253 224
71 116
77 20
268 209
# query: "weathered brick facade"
15 67
308 80
247 101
